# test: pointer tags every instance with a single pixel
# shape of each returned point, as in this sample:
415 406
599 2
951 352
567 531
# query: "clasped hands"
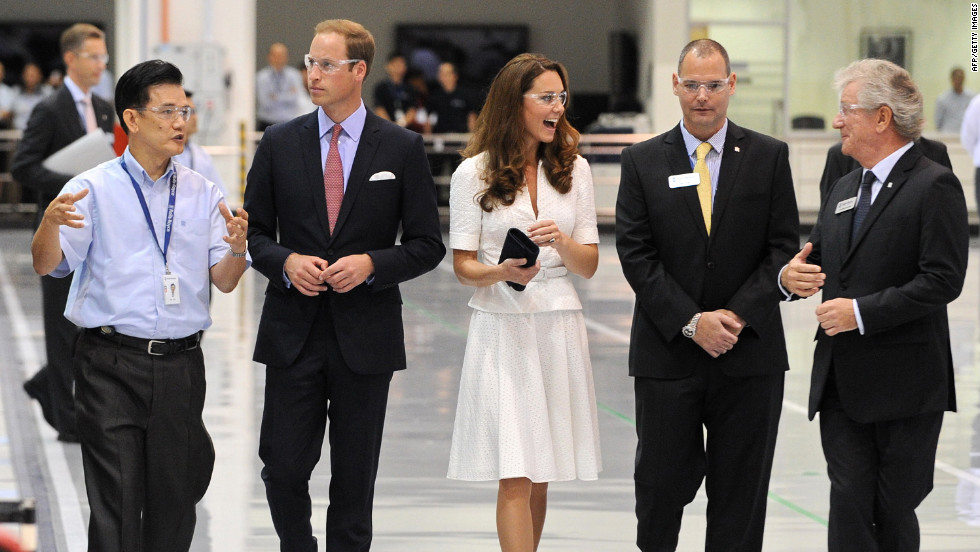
804 279
717 331
310 275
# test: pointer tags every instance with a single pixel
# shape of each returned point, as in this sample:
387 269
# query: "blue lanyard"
146 212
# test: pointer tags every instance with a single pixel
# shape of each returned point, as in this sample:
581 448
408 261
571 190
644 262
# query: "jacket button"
330 252
711 265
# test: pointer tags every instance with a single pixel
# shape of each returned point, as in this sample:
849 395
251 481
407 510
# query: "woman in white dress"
526 413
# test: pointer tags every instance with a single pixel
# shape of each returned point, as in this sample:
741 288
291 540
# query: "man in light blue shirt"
279 89
194 156
145 237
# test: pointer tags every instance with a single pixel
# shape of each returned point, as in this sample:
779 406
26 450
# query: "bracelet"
239 255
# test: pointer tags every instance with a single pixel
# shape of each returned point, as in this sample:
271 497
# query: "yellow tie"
704 187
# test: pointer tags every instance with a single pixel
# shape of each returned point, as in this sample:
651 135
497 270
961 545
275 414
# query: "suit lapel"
310 143
731 162
67 105
848 187
103 115
891 185
366 148
680 163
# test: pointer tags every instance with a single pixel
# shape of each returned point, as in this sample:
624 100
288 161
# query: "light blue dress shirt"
196 159
713 159
118 266
347 143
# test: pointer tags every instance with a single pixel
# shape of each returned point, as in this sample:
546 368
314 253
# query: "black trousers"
879 473
299 401
55 378
146 454
741 416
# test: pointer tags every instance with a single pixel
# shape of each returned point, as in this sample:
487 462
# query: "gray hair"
884 83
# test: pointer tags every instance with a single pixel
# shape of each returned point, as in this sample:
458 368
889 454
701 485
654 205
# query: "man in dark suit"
707 348
331 330
889 252
838 164
57 121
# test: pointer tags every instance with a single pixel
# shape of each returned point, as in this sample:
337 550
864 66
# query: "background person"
702 251
279 89
55 122
394 99
951 104
527 412
194 157
31 92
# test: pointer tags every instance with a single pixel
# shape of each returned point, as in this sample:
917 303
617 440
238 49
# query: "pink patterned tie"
90 123
333 179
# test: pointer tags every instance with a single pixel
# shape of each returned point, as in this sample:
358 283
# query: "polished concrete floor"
417 508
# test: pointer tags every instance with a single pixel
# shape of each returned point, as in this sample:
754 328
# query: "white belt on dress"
549 273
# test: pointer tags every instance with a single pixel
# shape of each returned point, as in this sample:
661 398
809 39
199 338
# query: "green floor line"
452 328
455 329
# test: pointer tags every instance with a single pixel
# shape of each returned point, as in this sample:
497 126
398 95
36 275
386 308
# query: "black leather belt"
155 347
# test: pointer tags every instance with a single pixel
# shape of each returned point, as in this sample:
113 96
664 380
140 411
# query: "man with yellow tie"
706 217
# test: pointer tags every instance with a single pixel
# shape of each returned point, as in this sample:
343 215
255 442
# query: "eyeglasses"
847 109
711 87
326 65
170 112
549 98
101 58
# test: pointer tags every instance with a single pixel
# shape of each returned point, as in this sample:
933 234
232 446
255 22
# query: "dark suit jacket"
676 270
54 123
906 263
288 213
838 164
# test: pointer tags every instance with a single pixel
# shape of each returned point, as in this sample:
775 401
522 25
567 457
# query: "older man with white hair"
889 252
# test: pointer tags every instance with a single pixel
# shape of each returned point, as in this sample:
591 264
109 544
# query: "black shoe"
37 391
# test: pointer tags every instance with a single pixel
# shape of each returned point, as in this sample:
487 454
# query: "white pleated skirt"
526 404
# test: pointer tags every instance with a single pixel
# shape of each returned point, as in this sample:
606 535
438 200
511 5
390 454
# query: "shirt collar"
885 166
139 174
717 141
76 91
352 125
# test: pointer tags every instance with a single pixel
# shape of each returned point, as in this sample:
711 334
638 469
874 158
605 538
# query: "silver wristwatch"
692 327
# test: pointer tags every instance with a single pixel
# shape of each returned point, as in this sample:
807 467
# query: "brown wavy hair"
500 130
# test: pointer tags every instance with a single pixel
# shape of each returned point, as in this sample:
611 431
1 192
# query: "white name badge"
845 205
683 180
171 289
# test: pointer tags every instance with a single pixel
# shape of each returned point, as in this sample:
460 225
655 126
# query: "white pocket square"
383 175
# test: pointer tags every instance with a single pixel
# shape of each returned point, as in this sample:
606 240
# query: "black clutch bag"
517 245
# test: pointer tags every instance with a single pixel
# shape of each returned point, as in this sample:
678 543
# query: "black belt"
155 347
